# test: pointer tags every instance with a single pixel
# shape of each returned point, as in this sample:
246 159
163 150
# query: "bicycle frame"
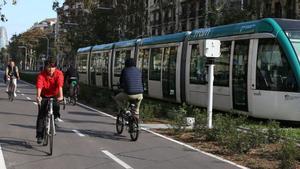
50 115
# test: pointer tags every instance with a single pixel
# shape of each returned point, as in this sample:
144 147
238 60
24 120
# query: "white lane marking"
78 133
116 159
88 107
2 162
28 98
22 94
35 103
18 91
193 148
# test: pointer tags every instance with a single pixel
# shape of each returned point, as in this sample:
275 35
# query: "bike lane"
87 139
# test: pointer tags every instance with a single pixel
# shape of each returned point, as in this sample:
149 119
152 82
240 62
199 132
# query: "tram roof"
125 44
170 38
83 50
103 47
267 25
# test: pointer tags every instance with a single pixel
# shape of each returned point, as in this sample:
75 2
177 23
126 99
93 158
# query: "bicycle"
11 89
49 126
126 118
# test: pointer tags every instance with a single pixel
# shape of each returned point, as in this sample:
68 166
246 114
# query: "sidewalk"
156 126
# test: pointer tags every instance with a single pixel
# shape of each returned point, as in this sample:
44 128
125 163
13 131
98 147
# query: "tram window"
96 63
104 62
273 71
82 62
221 72
198 70
155 63
120 58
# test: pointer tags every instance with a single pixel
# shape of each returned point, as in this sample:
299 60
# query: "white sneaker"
15 94
58 119
6 90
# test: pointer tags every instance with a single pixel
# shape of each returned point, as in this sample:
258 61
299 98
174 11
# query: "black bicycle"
126 118
49 129
11 88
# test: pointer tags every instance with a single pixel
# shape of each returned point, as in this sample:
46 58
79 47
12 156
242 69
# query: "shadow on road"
24 126
88 121
105 135
17 114
20 146
84 113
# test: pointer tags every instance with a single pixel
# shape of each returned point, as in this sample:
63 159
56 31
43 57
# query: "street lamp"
25 61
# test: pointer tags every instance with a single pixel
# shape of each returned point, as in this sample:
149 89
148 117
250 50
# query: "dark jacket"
71 72
131 80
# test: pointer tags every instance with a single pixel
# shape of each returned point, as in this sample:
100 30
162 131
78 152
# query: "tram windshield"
295 39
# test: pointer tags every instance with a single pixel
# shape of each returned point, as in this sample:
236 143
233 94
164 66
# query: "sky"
25 13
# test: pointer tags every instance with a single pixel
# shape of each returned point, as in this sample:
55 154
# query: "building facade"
3 38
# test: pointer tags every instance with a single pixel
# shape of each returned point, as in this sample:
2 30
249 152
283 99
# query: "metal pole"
206 14
210 94
25 56
47 46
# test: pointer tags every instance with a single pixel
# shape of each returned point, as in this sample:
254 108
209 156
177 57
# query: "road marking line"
18 91
35 103
22 94
195 149
78 133
28 98
116 159
2 162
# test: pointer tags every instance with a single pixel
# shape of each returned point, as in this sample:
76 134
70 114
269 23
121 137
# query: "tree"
3 3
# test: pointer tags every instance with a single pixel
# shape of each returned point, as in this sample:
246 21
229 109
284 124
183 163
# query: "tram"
258 72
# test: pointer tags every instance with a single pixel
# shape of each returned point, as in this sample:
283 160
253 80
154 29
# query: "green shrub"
179 122
200 125
28 77
257 136
288 155
273 131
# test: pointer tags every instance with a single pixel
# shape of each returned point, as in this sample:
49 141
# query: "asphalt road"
86 139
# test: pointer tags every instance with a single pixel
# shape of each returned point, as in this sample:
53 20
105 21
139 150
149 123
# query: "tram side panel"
274 87
196 76
82 67
118 62
164 70
99 68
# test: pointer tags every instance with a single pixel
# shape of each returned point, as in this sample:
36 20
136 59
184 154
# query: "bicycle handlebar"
63 102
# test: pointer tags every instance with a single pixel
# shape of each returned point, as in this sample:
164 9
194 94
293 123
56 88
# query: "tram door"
142 64
239 75
169 72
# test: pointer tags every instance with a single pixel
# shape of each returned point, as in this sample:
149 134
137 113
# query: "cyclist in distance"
71 76
49 84
131 83
12 73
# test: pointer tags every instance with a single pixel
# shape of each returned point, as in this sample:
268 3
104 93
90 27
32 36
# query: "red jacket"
50 85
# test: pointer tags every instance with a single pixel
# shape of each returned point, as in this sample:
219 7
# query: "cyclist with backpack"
131 83
72 78
12 73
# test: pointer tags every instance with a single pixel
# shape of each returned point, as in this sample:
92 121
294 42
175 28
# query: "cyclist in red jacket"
49 84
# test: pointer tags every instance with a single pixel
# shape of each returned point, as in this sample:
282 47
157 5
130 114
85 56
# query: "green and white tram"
258 72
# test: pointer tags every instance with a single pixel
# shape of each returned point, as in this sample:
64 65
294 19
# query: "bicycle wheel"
119 123
51 134
134 128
